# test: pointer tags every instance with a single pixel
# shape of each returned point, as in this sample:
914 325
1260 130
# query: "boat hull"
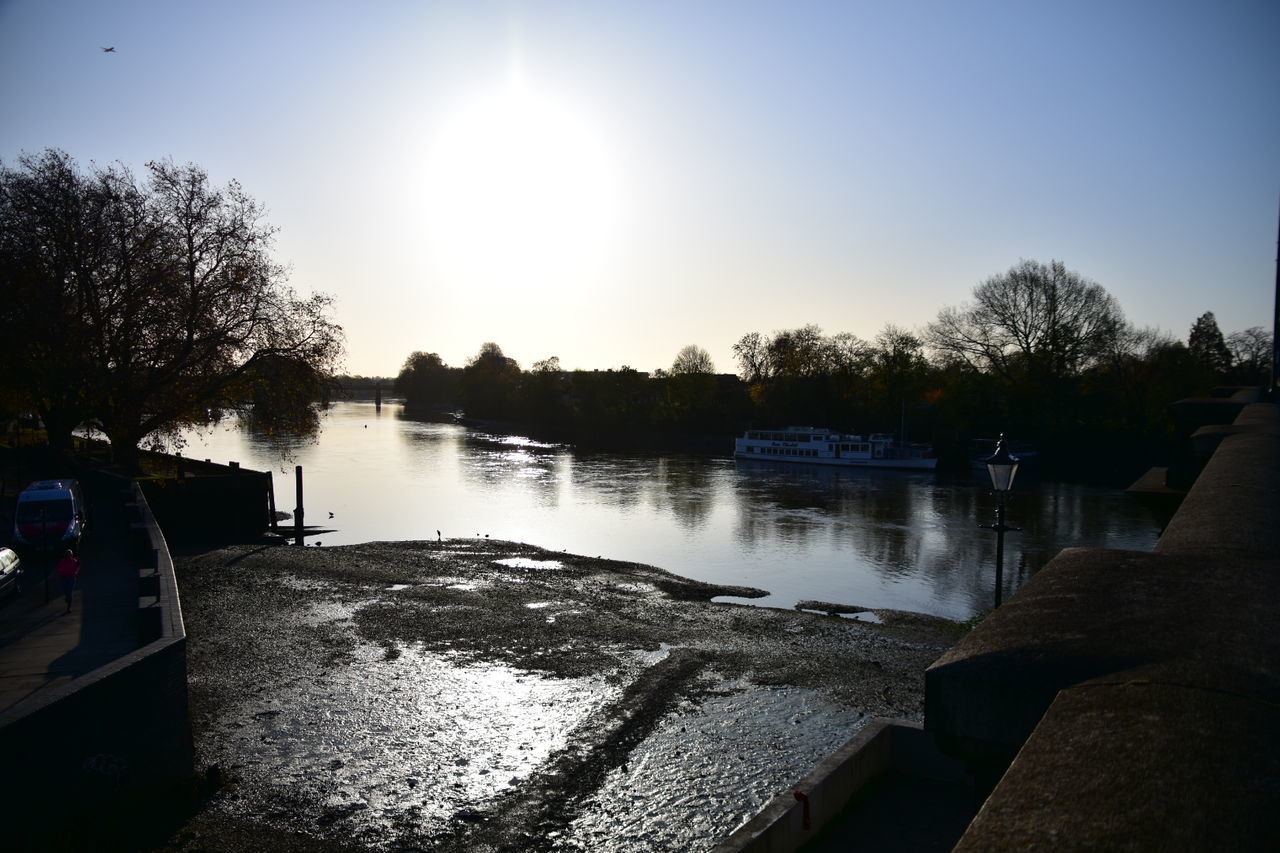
809 446
912 464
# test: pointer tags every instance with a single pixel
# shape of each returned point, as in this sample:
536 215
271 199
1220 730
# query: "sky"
607 182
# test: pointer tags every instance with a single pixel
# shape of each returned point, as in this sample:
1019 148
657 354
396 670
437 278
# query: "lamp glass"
1003 467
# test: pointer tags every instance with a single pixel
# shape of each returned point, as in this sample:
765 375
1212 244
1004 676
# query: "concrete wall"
823 797
209 507
113 745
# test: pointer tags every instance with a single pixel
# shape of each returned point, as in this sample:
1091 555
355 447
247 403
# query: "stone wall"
113 746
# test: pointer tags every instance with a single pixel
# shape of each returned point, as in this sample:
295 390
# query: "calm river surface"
875 539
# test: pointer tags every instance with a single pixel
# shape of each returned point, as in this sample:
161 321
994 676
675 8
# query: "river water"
867 539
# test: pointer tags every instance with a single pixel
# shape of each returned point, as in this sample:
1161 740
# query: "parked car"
10 572
50 515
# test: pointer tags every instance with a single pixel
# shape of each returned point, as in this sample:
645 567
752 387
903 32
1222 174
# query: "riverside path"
41 646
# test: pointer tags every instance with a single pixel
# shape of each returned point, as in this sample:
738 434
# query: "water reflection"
875 539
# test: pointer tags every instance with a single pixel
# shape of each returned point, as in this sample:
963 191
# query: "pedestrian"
68 567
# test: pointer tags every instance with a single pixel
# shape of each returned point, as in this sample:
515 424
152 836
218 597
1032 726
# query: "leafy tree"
848 355
426 382
51 249
547 391
798 352
158 302
619 400
1208 347
490 384
899 373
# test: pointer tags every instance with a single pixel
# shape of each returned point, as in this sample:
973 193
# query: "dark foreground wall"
93 760
1131 700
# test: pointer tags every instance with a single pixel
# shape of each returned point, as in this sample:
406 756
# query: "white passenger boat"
823 447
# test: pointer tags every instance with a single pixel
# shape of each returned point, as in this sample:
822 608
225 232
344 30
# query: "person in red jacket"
68 567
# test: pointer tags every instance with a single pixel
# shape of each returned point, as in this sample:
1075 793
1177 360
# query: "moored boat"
814 446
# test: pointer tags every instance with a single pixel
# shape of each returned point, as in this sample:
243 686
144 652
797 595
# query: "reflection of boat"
823 447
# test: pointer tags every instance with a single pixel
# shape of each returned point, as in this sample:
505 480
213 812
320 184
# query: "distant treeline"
361 387
1040 354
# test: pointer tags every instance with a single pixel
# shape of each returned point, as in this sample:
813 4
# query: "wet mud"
490 696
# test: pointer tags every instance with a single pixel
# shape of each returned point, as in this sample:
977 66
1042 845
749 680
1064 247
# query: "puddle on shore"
709 768
526 563
378 743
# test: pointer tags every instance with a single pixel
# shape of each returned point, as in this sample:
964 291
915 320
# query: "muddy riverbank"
484 695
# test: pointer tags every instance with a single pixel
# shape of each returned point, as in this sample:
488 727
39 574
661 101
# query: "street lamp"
1003 467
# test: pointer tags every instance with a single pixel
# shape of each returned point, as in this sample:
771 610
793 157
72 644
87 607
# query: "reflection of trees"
285 448
430 445
902 527
684 487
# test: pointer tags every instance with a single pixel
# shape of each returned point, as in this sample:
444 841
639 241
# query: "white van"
49 516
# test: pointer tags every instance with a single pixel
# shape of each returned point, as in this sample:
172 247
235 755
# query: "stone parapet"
1131 700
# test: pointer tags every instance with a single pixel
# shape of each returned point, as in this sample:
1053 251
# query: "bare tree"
1037 320
692 359
1251 352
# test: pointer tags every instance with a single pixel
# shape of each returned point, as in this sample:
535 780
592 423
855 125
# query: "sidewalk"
41 646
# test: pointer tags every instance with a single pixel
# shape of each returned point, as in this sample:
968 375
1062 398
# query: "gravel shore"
485 695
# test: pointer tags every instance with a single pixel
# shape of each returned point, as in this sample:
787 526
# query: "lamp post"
1002 466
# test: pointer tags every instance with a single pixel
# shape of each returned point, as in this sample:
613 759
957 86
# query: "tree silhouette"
426 382
692 359
154 304
1251 353
1038 328
1208 347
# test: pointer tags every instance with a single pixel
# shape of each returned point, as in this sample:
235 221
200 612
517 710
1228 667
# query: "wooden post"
298 513
271 501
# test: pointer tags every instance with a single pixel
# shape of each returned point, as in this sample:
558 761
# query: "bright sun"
520 192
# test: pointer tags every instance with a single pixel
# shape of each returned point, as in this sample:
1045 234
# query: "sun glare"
520 193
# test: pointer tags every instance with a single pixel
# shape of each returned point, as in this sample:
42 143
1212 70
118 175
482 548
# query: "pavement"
42 647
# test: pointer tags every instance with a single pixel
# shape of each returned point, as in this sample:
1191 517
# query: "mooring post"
298 513
271 502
